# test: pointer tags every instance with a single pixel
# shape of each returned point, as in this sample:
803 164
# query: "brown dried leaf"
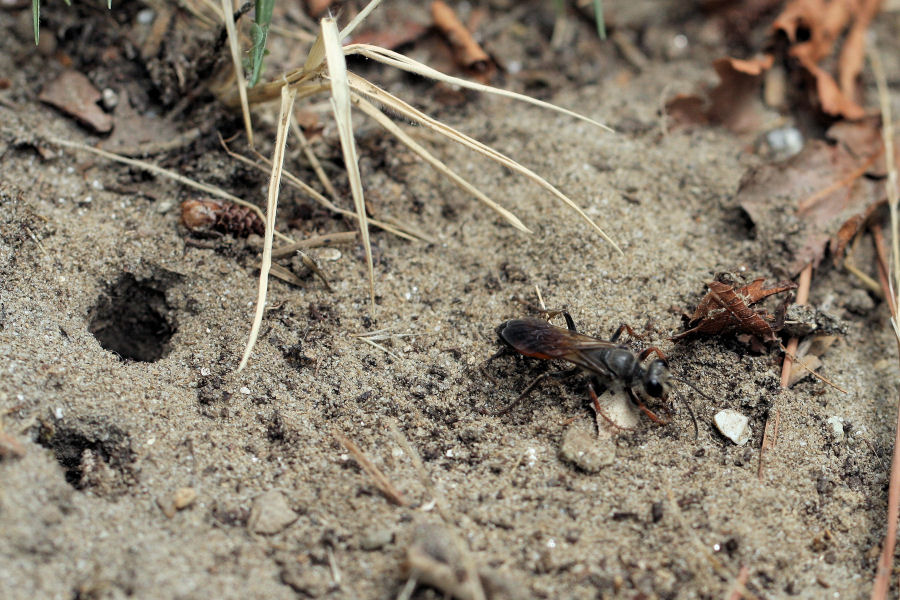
734 102
468 53
800 206
75 95
399 34
726 310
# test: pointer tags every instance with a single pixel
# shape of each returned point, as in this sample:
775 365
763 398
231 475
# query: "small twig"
796 359
770 433
740 582
341 237
378 478
882 581
850 264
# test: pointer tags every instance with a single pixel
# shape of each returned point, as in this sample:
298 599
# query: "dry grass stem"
882 581
297 183
378 478
313 159
381 96
287 104
228 16
797 360
341 237
340 104
404 63
382 119
151 168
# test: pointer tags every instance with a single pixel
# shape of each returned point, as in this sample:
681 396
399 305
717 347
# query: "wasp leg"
650 414
625 327
595 400
652 350
534 384
570 323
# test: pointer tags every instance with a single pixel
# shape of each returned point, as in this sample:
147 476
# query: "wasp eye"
654 389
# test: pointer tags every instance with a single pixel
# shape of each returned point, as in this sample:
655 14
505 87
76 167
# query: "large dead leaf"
800 206
725 310
806 33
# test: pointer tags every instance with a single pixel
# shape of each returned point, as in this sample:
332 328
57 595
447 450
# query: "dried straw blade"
228 16
340 103
404 63
373 92
287 105
382 119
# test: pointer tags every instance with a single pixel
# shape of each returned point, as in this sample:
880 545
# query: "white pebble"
836 425
733 425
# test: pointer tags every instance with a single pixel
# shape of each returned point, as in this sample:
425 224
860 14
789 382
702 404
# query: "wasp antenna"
692 386
693 417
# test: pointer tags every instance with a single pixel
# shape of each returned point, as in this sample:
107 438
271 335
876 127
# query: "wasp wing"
540 339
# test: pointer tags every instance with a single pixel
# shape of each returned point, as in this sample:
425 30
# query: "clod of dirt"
74 94
94 455
435 558
584 449
131 319
733 425
270 513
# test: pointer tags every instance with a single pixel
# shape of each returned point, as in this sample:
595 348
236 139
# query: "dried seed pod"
205 215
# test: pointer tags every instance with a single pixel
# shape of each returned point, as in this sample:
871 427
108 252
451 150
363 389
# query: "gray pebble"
376 538
270 513
583 448
858 301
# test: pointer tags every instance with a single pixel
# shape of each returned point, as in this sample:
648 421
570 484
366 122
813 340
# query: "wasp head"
655 378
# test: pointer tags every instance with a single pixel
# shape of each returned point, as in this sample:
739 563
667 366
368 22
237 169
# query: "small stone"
733 425
110 98
184 497
376 538
584 449
270 513
164 206
858 301
329 254
836 427
619 409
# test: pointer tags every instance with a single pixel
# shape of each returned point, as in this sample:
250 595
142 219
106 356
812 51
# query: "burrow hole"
133 320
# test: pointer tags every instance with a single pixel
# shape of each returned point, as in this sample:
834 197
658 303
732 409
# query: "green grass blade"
259 33
36 17
598 16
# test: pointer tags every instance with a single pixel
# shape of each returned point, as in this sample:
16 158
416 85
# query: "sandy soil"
101 502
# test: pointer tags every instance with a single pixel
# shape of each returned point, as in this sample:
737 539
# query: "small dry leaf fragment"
202 216
10 447
726 310
735 102
809 357
399 34
75 95
468 53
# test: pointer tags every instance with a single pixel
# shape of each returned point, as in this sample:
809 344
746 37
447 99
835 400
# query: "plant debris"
726 310
803 38
75 95
468 53
202 216
801 207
